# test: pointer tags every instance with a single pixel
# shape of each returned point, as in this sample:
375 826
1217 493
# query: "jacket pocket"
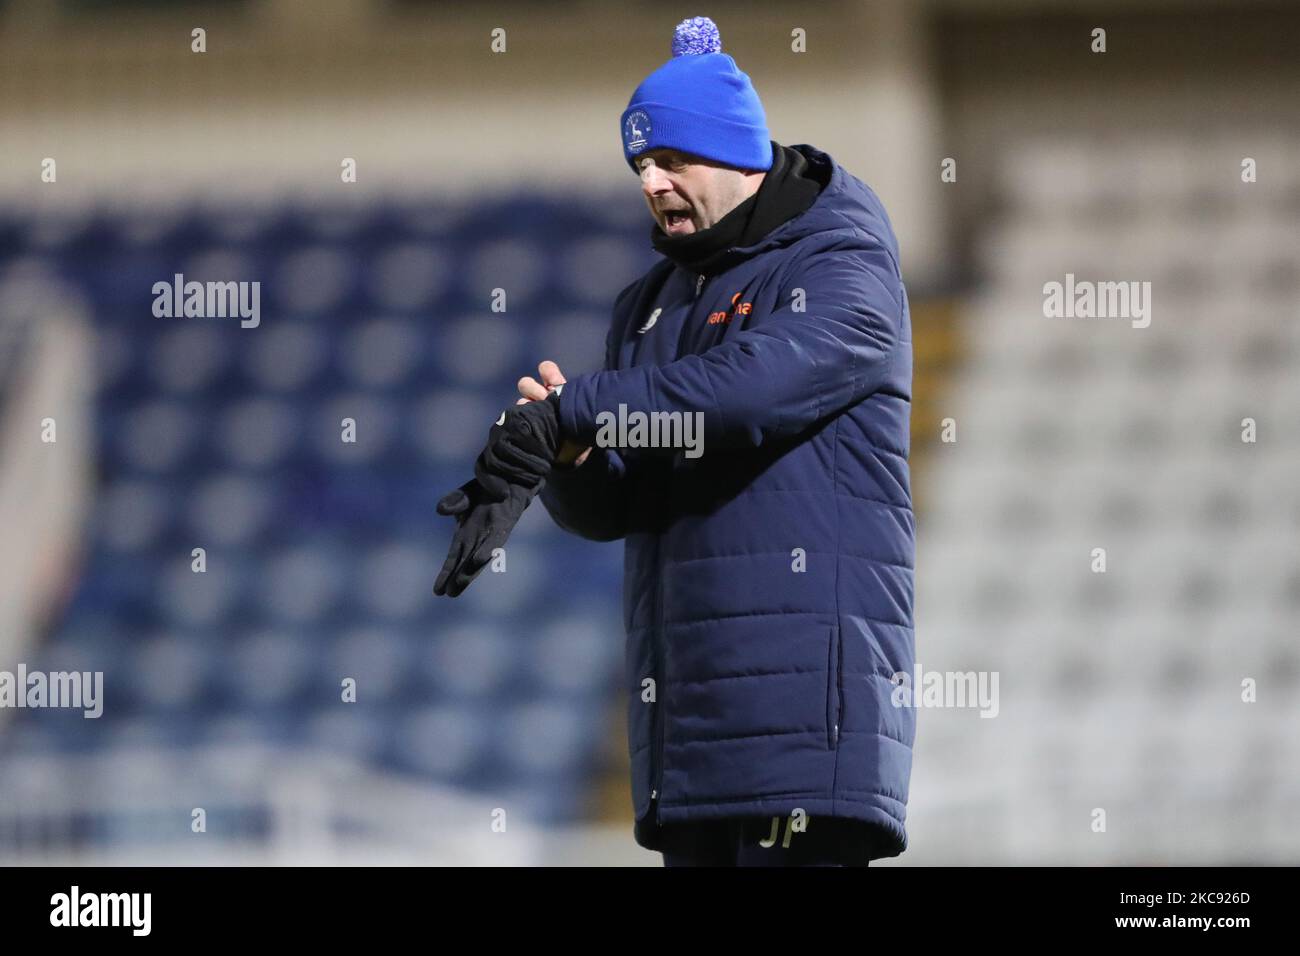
834 688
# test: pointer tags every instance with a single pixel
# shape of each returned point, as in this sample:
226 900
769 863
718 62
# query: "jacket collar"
792 185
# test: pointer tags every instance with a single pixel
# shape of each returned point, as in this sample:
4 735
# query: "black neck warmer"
787 190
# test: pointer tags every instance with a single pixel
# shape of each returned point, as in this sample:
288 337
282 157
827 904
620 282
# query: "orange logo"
737 308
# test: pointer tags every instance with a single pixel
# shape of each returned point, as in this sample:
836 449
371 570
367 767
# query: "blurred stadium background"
479 170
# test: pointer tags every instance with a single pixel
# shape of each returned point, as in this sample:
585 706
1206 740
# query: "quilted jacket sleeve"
591 500
786 371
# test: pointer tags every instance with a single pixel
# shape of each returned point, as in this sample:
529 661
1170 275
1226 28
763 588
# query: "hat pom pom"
695 36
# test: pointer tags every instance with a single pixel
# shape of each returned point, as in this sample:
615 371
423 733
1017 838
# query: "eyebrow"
672 156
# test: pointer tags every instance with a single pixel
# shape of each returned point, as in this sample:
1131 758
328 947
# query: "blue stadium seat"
320 552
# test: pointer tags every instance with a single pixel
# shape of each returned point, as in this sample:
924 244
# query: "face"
688 193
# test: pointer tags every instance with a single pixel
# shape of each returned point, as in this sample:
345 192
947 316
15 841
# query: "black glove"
482 525
521 447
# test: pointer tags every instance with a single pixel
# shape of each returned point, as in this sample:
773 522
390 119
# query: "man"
768 571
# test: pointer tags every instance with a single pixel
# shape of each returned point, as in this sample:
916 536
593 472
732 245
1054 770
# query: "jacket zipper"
656 792
657 777
661 698
835 689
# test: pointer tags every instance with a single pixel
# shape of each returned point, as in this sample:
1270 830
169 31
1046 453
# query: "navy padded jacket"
768 583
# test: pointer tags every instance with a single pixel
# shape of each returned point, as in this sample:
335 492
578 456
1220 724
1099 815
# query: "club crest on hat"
702 103
636 130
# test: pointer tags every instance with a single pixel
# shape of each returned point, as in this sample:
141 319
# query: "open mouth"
677 221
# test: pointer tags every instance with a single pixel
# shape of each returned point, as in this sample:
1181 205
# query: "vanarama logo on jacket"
737 308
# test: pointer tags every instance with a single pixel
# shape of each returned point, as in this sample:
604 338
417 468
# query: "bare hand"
532 390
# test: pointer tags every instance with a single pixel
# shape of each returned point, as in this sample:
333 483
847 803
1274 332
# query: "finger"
440 585
532 389
453 502
551 374
472 567
480 554
454 555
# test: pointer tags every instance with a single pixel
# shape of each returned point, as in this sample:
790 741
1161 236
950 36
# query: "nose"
654 182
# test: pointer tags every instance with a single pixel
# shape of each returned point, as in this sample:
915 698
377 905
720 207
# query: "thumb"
454 502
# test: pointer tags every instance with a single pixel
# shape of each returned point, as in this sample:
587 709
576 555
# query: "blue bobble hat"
698 102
